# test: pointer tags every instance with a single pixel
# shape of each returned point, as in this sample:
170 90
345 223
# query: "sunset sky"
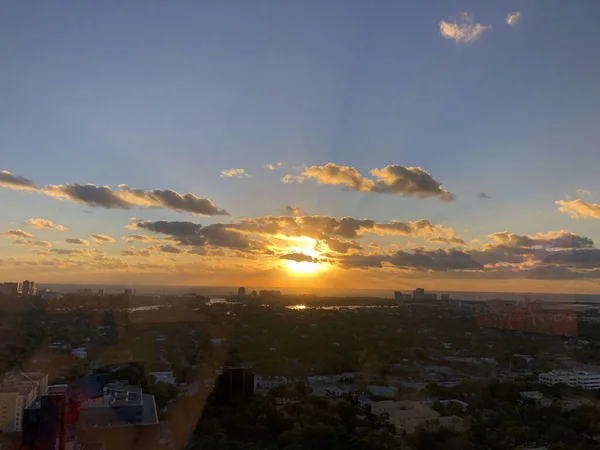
452 145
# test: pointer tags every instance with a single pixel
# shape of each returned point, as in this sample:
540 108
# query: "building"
29 289
407 415
399 296
10 289
419 294
583 380
241 292
383 391
84 291
265 382
267 293
47 294
234 382
49 421
164 377
118 418
17 391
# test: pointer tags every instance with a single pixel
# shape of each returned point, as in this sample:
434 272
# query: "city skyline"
308 145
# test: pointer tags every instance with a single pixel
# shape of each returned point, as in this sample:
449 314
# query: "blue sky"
166 95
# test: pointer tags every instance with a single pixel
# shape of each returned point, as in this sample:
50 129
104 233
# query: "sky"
446 144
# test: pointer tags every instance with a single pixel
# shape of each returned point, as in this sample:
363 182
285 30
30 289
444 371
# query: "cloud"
298 257
141 238
170 249
293 210
132 251
171 200
32 243
274 166
483 195
100 239
420 259
11 181
17 233
73 251
124 198
77 241
240 173
188 233
513 18
289 179
579 209
392 179
43 223
553 239
462 29
583 192
582 258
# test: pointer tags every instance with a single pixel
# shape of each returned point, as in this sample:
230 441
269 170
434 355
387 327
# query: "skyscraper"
29 288
242 292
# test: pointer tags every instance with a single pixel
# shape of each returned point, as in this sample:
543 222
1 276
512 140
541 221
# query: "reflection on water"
302 307
147 308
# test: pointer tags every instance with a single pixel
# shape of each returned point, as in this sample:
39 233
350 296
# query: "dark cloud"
339 246
124 198
581 258
89 194
11 181
77 241
189 233
170 249
293 210
298 257
392 179
553 239
172 200
419 259
483 195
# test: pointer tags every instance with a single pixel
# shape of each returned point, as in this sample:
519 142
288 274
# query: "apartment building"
17 390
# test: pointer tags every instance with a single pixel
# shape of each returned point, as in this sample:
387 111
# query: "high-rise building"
49 421
29 289
10 289
17 390
242 292
234 382
419 294
399 296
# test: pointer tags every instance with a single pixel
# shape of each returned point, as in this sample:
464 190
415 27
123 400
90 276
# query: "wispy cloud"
17 233
228 173
579 209
462 29
77 241
44 224
100 239
274 166
483 195
513 18
583 192
32 243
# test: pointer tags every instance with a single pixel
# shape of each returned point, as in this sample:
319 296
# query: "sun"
305 267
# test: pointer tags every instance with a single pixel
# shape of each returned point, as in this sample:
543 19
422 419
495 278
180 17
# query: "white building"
583 380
